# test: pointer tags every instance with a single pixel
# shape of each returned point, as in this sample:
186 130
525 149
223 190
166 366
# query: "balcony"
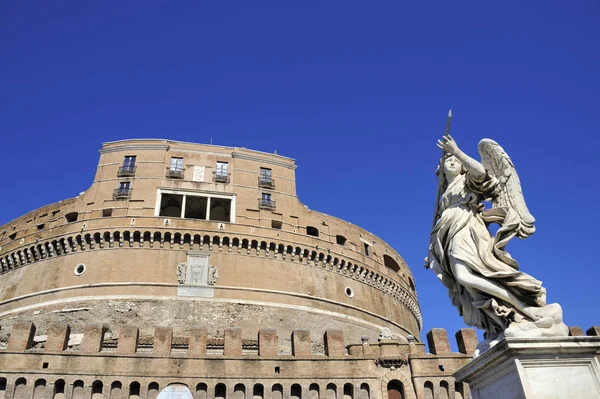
175 173
266 182
122 193
220 177
264 203
126 171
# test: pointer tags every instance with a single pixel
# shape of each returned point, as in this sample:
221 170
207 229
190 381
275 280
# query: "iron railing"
266 182
126 170
122 193
220 177
266 204
175 173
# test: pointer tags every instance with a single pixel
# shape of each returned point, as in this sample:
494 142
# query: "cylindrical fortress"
183 234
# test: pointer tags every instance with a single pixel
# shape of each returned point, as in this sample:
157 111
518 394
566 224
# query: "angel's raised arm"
475 168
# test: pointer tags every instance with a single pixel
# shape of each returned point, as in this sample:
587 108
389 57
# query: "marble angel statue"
483 281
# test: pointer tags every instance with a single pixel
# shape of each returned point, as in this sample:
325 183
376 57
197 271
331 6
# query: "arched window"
39 389
97 390
312 231
391 263
277 392
239 391
365 392
20 388
348 391
258 392
444 390
134 390
115 390
201 391
313 391
59 389
428 390
153 390
395 390
296 392
220 391
331 391
78 390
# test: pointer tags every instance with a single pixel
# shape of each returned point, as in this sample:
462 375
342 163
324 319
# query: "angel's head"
452 167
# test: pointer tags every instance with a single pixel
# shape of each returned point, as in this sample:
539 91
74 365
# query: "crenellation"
467 341
437 340
57 337
128 340
21 337
576 331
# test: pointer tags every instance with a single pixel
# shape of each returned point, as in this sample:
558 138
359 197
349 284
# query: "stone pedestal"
540 368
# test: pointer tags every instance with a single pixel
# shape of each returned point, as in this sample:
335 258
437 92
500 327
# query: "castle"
196 267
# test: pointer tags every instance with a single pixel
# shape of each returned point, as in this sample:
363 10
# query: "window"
341 240
222 168
12 236
312 231
391 263
221 175
276 224
265 179
265 202
40 226
128 168
124 190
219 208
124 185
367 249
71 217
176 164
107 212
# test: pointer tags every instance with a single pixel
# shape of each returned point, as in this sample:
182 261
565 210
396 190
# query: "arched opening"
220 209
391 263
134 390
348 391
201 391
365 392
459 390
444 390
296 392
115 390
258 392
20 389
71 217
312 231
340 240
277 392
179 391
170 205
331 391
313 391
153 390
428 390
220 391
97 390
59 389
395 390
39 389
239 391
2 387
77 390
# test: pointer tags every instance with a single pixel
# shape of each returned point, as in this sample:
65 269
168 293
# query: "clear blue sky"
357 92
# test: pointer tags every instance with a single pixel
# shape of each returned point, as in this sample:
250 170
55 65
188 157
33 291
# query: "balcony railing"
122 193
125 171
175 173
266 204
220 177
266 182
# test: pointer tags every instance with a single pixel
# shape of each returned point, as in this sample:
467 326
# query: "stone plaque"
197 270
198 174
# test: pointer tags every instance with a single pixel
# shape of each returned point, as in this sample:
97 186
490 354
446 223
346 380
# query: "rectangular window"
129 161
124 185
176 164
200 207
222 169
265 174
367 249
266 197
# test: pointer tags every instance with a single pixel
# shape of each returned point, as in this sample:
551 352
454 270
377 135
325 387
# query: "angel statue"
483 281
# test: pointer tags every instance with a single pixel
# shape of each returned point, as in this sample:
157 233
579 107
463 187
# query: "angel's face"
452 167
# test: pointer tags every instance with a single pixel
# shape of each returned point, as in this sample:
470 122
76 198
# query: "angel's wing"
508 192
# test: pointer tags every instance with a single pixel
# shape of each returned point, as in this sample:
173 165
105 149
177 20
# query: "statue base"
525 368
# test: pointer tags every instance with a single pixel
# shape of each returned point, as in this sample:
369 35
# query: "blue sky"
357 92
